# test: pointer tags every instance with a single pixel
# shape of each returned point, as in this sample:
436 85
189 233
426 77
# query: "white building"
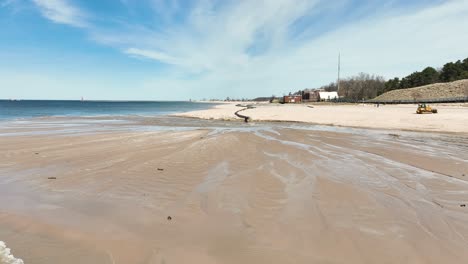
327 96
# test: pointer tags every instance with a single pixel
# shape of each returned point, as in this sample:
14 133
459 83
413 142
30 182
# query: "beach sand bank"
451 117
263 195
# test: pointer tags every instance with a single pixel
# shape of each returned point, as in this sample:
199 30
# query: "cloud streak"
214 48
154 55
244 46
62 12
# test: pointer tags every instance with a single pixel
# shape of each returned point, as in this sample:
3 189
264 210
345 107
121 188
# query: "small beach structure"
327 96
292 99
309 95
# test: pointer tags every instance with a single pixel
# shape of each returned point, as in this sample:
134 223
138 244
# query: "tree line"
450 72
360 87
365 86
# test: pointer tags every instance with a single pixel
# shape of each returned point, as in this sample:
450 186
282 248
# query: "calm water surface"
43 108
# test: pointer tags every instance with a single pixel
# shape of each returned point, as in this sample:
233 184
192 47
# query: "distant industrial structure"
307 95
314 95
318 95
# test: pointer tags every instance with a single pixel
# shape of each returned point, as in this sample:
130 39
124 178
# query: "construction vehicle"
425 109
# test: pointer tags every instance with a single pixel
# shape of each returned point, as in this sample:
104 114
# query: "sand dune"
267 195
435 91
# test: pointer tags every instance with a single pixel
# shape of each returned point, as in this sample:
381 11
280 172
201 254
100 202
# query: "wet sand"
253 194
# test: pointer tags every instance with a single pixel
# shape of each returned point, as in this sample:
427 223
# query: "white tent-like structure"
327 96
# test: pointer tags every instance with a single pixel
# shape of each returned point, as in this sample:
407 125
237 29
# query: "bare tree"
359 87
362 86
332 87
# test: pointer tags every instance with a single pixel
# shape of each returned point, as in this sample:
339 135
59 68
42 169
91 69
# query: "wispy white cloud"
246 47
154 55
215 36
242 48
62 12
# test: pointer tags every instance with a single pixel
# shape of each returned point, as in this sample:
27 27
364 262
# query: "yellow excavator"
425 109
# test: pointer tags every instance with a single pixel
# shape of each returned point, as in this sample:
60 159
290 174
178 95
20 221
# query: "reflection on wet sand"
133 192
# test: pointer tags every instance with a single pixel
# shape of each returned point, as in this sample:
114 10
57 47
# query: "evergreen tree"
429 76
392 84
465 65
451 71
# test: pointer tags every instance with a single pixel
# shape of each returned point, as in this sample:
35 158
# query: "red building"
292 99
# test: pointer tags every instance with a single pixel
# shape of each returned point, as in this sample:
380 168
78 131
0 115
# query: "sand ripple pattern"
228 195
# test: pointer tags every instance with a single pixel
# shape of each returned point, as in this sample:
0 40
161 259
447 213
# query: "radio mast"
338 80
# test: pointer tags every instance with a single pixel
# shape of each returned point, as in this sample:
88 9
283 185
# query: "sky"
181 49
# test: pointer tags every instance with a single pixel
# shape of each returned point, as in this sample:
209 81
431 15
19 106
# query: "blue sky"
176 50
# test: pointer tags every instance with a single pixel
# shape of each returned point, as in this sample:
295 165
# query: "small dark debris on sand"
462 205
160 169
438 204
394 135
37 153
52 178
169 218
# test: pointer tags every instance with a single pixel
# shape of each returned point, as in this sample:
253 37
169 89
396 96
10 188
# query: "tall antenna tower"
338 80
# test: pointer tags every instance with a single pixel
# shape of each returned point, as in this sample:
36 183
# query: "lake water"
47 108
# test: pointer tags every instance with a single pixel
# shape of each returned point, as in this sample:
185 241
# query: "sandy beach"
141 132
451 117
244 194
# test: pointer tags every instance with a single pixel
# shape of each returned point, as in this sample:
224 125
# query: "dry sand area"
254 195
451 117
